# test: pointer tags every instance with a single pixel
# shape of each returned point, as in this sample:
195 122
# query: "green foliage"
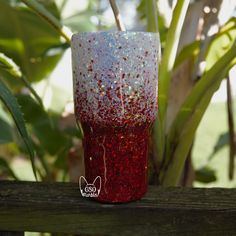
35 47
24 37
6 132
221 43
165 71
9 66
51 142
189 51
10 102
53 21
44 127
173 145
180 137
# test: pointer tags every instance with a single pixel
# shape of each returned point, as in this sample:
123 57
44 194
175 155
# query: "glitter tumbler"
115 95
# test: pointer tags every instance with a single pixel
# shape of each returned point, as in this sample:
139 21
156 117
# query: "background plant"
198 53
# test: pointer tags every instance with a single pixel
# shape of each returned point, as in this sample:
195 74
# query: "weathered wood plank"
59 208
11 233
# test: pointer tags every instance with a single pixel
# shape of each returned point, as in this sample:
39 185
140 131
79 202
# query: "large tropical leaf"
44 13
24 37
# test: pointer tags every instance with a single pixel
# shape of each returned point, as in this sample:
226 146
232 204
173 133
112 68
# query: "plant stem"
152 17
231 130
119 22
46 15
166 68
168 60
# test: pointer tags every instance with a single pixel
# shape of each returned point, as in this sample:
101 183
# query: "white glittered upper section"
115 76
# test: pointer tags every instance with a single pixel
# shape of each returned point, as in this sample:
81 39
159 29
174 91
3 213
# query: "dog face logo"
90 190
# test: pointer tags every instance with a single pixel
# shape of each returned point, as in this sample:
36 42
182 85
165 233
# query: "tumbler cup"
115 96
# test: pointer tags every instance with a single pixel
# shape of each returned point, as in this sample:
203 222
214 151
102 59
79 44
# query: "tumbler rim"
89 33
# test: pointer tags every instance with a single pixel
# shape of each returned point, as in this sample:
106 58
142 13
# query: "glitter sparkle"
115 93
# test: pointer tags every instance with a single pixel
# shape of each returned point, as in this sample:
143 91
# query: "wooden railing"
59 208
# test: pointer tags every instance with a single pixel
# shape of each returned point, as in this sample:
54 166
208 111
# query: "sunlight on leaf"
7 64
221 43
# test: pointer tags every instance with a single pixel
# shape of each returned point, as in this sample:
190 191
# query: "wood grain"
59 208
11 233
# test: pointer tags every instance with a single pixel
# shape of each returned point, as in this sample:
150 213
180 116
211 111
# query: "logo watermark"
90 190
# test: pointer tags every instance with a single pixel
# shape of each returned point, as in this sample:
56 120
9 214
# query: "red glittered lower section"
119 156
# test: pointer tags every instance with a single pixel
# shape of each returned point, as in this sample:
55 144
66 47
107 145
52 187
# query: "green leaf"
10 102
221 43
222 141
61 161
182 131
187 52
141 8
48 16
56 49
205 175
45 128
8 65
24 37
6 132
6 169
168 59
